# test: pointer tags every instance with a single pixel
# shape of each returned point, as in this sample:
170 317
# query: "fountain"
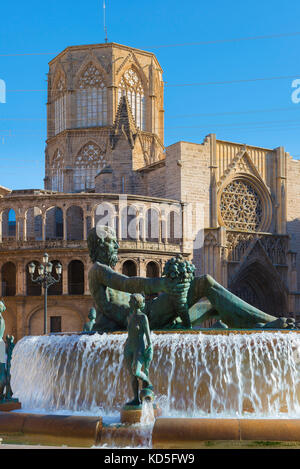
209 384
205 375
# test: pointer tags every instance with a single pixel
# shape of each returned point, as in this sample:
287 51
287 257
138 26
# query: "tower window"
57 172
131 86
89 162
91 99
60 107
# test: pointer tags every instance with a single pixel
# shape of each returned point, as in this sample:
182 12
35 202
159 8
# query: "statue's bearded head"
103 246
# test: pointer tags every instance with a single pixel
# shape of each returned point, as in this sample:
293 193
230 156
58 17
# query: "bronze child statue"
138 350
6 351
88 327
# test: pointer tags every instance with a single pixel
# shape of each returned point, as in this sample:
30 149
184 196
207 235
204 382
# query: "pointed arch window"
60 122
131 86
57 169
91 99
90 160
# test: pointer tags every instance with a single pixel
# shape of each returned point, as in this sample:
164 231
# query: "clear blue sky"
258 112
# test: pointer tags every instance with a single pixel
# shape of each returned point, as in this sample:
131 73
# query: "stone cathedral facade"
233 208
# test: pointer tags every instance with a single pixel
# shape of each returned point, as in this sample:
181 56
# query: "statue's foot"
134 402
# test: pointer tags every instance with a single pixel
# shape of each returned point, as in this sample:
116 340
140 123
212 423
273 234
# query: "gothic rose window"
241 206
91 99
57 168
131 86
60 107
90 160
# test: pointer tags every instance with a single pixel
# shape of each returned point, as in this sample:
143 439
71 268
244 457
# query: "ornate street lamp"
45 279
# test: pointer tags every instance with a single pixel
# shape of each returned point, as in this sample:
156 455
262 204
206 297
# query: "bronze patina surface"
111 293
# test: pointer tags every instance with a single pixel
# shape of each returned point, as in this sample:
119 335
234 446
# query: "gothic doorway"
262 287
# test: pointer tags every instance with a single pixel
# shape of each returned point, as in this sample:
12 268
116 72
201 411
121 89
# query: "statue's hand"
174 287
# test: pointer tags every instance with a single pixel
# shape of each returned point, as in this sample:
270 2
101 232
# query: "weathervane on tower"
104 20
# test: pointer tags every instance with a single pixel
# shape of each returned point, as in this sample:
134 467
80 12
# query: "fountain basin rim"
188 433
188 331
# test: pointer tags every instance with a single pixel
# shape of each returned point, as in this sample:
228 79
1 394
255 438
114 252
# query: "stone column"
18 228
86 279
93 218
142 267
21 278
281 205
44 226
142 218
84 223
184 227
213 182
65 234
64 264
25 228
20 318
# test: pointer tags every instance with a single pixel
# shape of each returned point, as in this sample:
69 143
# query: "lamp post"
45 279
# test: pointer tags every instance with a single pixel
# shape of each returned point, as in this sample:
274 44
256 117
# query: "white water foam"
254 375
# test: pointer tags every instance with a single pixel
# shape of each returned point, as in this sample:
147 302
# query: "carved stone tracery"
276 247
57 168
241 206
91 78
91 98
131 86
90 160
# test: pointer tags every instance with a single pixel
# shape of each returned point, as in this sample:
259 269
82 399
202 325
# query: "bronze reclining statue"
111 293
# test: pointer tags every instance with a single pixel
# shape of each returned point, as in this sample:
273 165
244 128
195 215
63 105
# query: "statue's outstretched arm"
108 277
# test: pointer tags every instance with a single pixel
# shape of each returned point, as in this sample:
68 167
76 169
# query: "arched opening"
152 270
54 223
91 98
59 104
262 288
57 171
152 225
174 227
129 223
59 319
74 223
131 86
56 288
8 279
106 215
88 163
129 269
32 288
34 224
8 224
76 278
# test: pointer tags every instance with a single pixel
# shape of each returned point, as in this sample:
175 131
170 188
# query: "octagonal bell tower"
104 110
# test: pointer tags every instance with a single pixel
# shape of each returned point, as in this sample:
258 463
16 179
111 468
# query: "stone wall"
293 209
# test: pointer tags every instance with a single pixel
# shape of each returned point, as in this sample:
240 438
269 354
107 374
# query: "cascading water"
194 375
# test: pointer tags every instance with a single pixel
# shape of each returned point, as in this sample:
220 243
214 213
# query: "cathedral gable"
241 164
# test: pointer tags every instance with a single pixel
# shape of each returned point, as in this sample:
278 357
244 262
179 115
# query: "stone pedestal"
132 414
9 404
